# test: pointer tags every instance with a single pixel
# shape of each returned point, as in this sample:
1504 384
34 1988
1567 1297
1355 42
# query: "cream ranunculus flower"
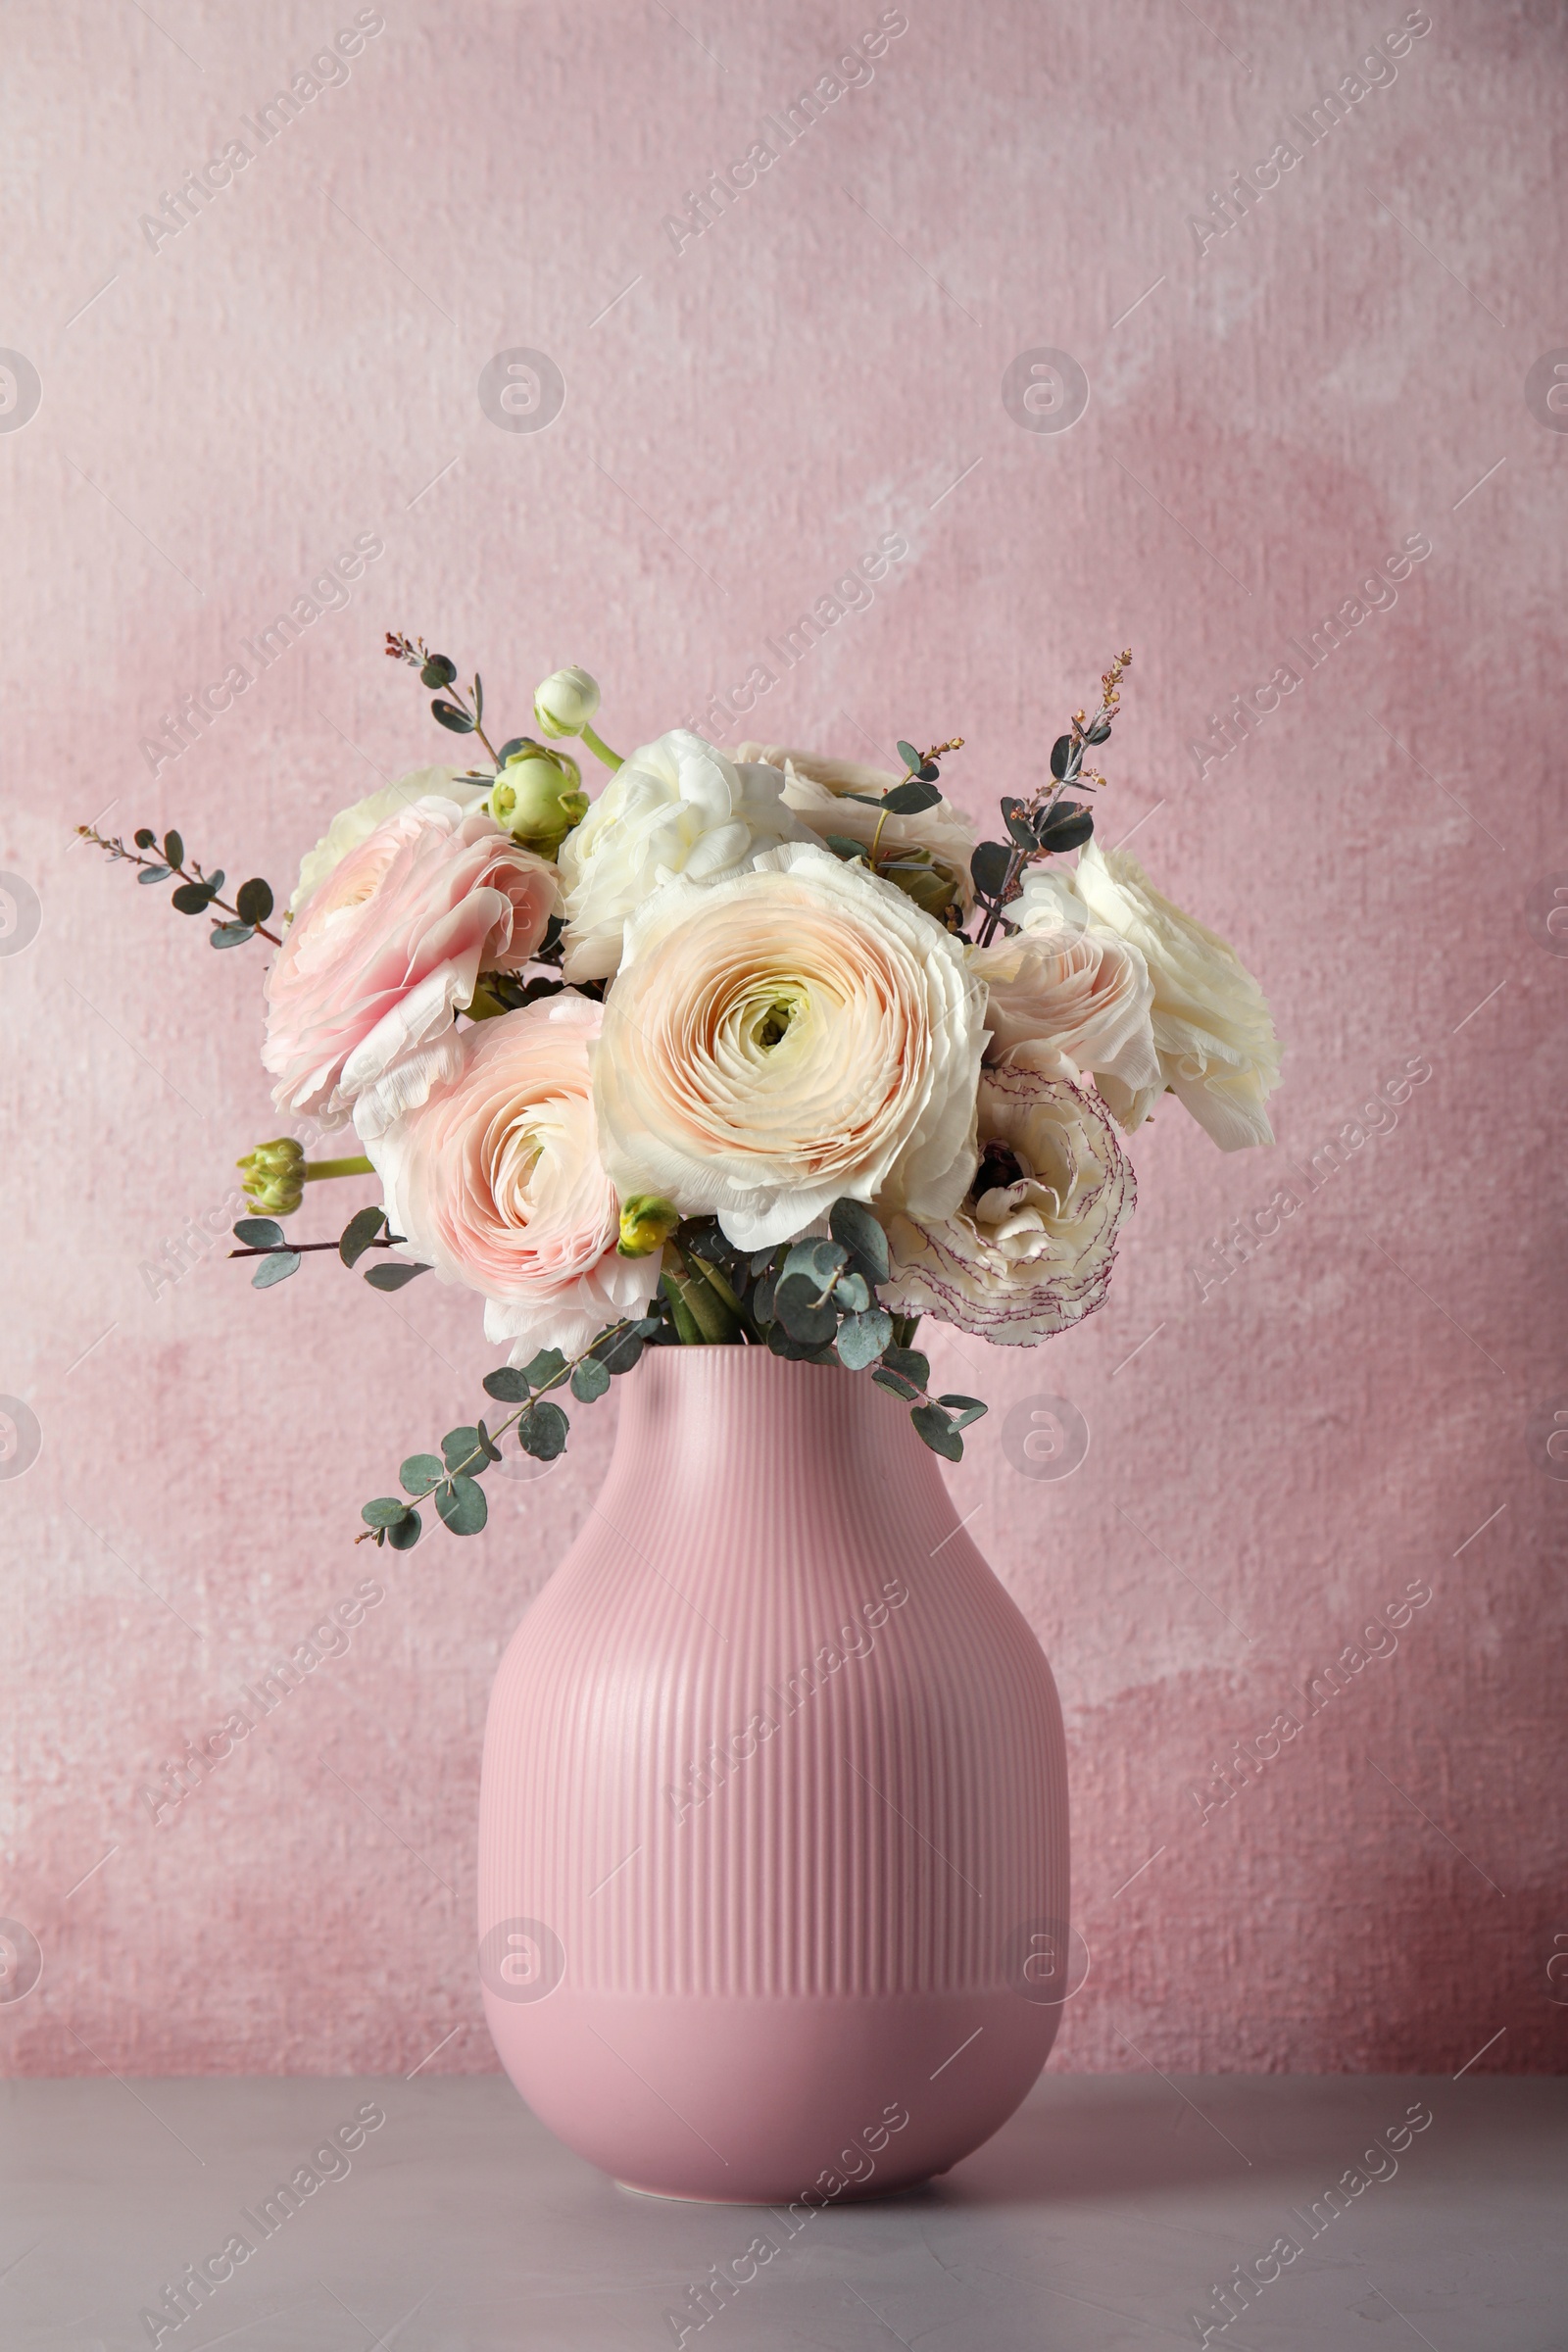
494 1179
351 825
1066 998
1031 1249
1218 1053
817 788
783 1038
676 806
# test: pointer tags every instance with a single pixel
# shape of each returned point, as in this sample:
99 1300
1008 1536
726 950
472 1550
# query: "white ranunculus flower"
1031 1249
783 1038
1216 1045
817 789
1067 1000
676 806
353 824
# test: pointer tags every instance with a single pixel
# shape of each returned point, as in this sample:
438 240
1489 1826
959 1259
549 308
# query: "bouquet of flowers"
759 1049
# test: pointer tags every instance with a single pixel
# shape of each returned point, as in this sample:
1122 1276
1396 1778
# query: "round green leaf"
252 901
438 672
862 1338
359 1232
173 848
146 838
420 1472
460 1447
933 1426
451 716
589 1379
153 873
392 1278
406 1533
506 1385
192 898
385 1512
543 1431
230 935
462 1506
907 754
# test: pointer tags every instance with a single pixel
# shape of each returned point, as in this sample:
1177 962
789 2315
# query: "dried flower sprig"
451 706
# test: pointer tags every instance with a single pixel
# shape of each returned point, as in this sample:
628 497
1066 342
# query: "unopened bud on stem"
646 1224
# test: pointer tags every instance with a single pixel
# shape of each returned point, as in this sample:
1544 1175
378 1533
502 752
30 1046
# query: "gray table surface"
1103 2215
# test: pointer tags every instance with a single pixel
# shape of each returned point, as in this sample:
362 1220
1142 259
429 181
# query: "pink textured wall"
1362 1404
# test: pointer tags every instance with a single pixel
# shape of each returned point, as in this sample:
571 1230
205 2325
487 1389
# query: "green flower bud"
275 1176
566 702
914 873
538 797
646 1224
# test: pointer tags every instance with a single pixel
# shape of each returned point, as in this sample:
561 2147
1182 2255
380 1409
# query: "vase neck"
694 1420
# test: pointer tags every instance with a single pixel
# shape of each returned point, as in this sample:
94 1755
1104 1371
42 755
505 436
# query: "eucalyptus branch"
255 898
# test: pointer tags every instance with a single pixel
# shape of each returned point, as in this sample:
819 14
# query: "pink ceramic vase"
773 1835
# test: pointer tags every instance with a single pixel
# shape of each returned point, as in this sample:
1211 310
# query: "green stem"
601 750
315 1169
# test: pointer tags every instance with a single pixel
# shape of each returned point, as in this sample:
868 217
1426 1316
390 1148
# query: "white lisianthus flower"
1067 1000
676 806
785 1037
1031 1249
352 824
495 1180
1217 1051
819 790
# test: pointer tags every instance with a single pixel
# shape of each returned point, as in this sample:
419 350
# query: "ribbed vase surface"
773 1835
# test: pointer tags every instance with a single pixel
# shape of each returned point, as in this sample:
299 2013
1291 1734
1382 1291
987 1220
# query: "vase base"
869 2197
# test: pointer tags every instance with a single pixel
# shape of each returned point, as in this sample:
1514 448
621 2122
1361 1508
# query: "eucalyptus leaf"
896 1383
548 1365
459 1448
385 1512
392 1278
988 867
154 873
145 838
856 1230
438 672
1060 752
507 1385
359 1232
818 1259
276 1268
462 1506
907 754
589 1381
937 1431
843 846
910 1364
230 935
862 1338
252 901
1068 829
1099 732
259 1233
964 1410
420 1472
851 1294
907 799
795 1302
173 848
451 716
543 1429
407 1533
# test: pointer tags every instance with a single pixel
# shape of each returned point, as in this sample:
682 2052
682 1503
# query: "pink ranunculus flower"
495 1180
384 950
